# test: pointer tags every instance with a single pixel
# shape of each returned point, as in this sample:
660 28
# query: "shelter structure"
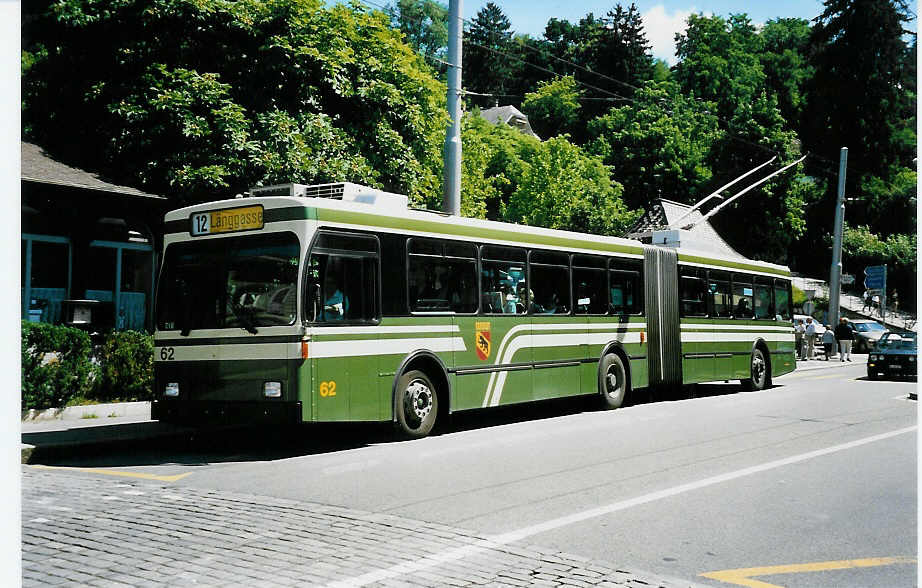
89 247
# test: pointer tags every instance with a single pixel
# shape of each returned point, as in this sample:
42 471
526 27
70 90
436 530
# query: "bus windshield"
246 282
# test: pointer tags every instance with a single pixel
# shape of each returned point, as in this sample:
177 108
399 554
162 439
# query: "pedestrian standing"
845 336
810 337
799 339
829 342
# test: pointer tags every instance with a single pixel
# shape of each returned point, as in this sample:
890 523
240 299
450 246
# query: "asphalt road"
813 481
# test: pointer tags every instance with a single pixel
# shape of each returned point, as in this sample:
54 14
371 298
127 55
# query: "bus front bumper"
195 412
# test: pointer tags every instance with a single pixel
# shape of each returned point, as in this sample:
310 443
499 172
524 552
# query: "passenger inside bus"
335 304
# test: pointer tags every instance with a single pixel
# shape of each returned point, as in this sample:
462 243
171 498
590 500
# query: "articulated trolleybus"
339 303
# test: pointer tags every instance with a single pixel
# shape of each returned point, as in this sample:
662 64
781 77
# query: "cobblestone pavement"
85 529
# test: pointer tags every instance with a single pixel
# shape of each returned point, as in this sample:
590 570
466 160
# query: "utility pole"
835 272
451 202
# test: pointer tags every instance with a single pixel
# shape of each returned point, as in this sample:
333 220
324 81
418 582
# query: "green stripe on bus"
734 265
408 224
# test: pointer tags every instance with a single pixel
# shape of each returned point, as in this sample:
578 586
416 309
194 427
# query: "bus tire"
416 404
760 376
613 381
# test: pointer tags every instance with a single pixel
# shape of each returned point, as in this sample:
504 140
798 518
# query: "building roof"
664 214
510 115
39 167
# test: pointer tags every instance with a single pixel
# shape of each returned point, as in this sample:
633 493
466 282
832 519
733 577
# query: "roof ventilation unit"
345 191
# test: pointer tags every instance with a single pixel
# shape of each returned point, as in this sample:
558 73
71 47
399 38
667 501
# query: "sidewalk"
80 529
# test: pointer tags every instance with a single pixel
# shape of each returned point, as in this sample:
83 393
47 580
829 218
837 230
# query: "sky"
662 18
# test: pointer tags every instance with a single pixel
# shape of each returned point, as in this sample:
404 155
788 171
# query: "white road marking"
497 541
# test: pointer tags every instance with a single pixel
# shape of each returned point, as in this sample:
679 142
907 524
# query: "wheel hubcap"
758 368
418 399
612 382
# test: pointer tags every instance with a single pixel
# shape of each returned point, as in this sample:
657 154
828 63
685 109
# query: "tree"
855 98
657 146
563 188
486 64
552 184
553 109
784 61
719 61
424 24
201 99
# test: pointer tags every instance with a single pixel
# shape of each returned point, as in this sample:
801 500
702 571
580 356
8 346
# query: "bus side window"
783 300
762 299
345 266
692 292
742 296
625 286
590 285
719 288
502 280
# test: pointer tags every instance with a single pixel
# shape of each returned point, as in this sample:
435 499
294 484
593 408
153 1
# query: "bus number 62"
166 353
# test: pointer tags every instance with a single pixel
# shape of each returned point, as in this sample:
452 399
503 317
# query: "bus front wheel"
759 372
613 382
417 404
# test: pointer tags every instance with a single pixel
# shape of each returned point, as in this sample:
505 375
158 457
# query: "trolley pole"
451 202
835 273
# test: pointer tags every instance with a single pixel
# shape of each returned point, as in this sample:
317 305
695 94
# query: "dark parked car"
896 354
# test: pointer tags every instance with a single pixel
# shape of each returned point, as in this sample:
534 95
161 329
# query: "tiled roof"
38 166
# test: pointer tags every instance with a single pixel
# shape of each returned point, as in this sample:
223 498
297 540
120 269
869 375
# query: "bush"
127 364
56 365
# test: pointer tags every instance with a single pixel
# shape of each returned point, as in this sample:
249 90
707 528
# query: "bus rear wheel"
613 382
417 404
759 372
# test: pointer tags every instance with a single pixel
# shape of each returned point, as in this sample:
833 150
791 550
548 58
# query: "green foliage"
486 69
552 184
784 61
204 99
553 109
56 365
564 188
127 367
799 297
658 145
424 24
862 248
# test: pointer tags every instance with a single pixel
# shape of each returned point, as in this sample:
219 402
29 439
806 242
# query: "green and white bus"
337 302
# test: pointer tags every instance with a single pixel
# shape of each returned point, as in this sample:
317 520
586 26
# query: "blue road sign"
875 277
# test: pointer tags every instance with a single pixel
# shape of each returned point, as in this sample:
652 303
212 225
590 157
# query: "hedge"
59 366
56 365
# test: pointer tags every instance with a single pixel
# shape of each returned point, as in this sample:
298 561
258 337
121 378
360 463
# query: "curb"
89 411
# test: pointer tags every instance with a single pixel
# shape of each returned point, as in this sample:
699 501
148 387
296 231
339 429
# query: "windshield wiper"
244 317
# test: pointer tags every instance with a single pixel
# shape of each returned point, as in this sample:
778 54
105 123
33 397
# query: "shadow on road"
154 443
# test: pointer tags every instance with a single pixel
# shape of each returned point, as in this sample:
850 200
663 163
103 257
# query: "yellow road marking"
119 473
744 576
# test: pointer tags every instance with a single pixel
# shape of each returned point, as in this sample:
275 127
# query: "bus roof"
368 214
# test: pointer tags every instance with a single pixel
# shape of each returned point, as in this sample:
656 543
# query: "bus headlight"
272 390
912 359
172 389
